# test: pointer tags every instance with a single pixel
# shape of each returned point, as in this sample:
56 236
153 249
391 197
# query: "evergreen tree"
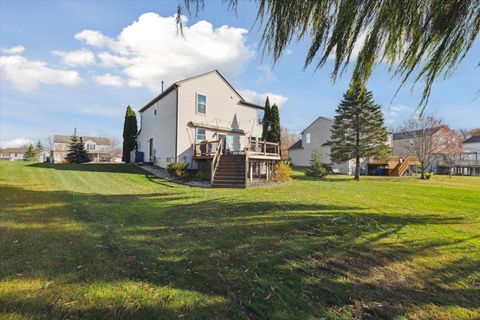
316 168
274 134
77 152
358 130
129 134
266 119
39 147
31 154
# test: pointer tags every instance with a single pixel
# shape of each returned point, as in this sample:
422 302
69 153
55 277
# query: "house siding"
161 127
320 134
222 109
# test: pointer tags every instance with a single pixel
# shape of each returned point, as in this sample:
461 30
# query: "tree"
266 120
39 146
274 134
464 133
358 129
452 149
130 130
31 154
316 168
418 39
424 140
475 132
76 151
287 139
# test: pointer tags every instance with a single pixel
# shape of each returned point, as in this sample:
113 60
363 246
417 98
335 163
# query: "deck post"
266 170
250 168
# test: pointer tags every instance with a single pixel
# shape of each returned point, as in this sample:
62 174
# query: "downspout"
176 123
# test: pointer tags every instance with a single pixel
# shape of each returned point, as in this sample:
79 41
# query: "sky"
78 64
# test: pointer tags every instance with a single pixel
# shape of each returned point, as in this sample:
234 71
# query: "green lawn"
110 241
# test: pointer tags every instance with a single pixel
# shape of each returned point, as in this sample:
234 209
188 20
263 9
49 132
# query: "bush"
316 168
202 175
283 172
177 168
428 175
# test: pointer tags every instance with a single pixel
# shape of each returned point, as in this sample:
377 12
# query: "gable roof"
415 133
318 118
177 83
472 139
296 145
60 138
13 150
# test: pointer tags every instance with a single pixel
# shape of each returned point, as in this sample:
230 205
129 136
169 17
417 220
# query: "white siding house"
189 117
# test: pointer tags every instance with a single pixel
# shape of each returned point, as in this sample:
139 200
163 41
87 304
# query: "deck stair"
230 172
403 166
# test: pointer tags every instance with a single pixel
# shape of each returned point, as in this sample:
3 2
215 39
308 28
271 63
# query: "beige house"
206 123
99 148
12 153
316 137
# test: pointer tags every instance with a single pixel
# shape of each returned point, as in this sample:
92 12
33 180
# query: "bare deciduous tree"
424 139
115 148
452 149
287 138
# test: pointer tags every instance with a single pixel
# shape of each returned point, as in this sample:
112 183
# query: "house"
206 123
99 148
12 153
316 136
468 163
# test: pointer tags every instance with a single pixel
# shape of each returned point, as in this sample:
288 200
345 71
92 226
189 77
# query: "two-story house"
316 136
206 123
99 148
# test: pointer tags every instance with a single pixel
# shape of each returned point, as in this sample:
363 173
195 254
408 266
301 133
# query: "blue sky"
69 64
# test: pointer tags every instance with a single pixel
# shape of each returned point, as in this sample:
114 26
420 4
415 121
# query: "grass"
109 241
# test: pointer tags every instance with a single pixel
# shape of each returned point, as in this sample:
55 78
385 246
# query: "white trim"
196 103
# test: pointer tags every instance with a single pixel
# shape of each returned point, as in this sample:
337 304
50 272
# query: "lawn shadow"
92 167
266 259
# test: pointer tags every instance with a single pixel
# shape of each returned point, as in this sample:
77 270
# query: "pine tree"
358 130
77 152
31 154
39 146
129 134
316 168
266 119
274 134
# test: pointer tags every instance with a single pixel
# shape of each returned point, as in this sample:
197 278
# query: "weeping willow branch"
419 39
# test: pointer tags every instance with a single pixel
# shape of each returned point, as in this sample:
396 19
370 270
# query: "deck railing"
265 148
216 160
206 148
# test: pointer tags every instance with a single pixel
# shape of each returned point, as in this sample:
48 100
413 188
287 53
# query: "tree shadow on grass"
91 167
168 254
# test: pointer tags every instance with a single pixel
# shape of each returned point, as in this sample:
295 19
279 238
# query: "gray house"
316 137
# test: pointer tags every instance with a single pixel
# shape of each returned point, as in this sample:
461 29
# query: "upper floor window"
260 116
307 138
201 135
90 147
201 103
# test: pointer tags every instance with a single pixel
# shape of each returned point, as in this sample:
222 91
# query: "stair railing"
216 160
410 160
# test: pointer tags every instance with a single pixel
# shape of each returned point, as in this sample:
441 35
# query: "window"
155 112
307 138
90 147
260 116
201 103
201 134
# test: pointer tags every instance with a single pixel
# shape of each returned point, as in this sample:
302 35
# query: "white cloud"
395 114
80 58
15 143
150 50
357 47
267 74
13 50
109 80
26 75
252 96
93 38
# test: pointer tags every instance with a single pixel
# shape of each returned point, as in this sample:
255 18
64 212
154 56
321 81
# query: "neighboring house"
468 163
206 123
99 148
316 137
12 153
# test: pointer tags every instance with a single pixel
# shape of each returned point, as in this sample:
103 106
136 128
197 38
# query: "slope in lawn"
110 241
